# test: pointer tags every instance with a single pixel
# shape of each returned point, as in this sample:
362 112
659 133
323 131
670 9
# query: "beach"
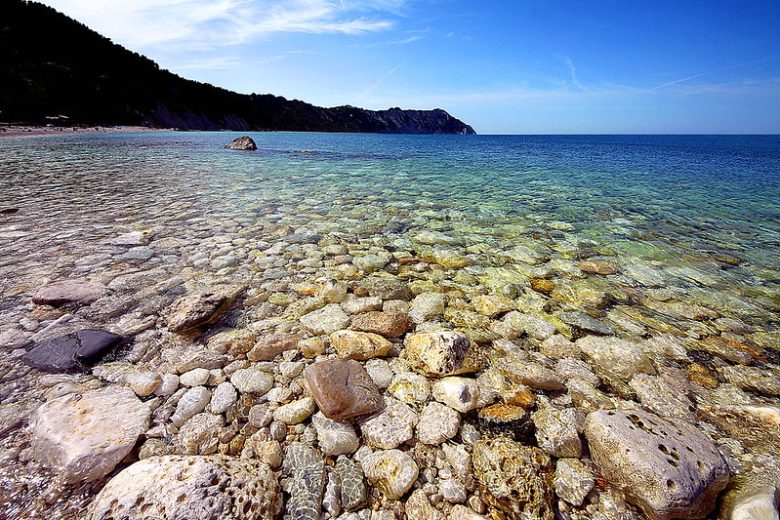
384 326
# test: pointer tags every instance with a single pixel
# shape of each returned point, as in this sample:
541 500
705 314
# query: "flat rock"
392 472
614 359
72 351
441 353
271 345
296 411
361 346
353 487
426 307
143 382
200 308
306 471
514 478
69 292
83 437
438 423
334 437
390 427
181 487
390 324
670 470
326 320
342 389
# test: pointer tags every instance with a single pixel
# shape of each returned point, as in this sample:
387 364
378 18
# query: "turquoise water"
691 225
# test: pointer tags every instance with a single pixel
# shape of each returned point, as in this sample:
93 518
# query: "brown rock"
543 286
441 353
200 308
342 389
391 324
351 344
271 345
596 267
69 292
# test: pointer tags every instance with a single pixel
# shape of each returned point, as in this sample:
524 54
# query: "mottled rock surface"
180 487
390 427
670 470
392 472
243 143
514 478
441 353
69 292
201 307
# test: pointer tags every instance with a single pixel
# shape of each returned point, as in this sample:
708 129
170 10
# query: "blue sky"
503 66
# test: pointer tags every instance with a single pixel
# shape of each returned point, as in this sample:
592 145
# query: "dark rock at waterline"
9 211
72 351
242 143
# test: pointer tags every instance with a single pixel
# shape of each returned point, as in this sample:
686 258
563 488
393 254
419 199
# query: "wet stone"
504 419
353 487
334 437
514 478
573 481
390 324
269 346
216 487
670 470
69 292
199 308
438 423
393 472
441 353
350 344
326 320
243 143
83 437
342 389
306 481
71 352
391 427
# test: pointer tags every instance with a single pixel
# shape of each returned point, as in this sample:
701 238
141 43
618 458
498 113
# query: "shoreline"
38 131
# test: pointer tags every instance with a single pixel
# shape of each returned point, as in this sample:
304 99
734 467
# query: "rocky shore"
316 379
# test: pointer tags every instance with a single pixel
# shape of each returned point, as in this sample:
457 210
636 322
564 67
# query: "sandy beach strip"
37 131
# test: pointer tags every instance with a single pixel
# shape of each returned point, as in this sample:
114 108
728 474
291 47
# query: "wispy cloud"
381 79
715 71
204 24
572 70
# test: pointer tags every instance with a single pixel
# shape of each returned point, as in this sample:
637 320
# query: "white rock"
380 372
295 412
334 437
83 437
410 388
459 393
192 402
393 472
195 377
426 307
224 395
556 432
168 386
573 481
252 381
437 424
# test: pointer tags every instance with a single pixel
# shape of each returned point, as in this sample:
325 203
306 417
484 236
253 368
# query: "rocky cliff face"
51 65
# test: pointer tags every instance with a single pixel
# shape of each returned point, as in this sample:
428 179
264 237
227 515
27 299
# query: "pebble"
335 437
437 424
252 381
391 427
295 412
459 393
393 472
223 397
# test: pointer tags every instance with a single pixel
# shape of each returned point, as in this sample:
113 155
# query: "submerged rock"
670 470
72 351
441 353
361 346
514 478
353 488
244 143
200 308
343 389
271 345
306 482
391 427
334 437
83 437
393 472
69 292
178 487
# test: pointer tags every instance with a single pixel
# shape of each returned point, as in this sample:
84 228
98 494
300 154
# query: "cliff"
51 65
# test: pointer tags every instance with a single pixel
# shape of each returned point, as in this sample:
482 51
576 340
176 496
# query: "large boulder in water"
83 437
242 143
179 487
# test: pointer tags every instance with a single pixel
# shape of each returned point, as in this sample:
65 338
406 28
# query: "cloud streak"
708 73
206 24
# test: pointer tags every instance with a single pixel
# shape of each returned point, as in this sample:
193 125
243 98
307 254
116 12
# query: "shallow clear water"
692 222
